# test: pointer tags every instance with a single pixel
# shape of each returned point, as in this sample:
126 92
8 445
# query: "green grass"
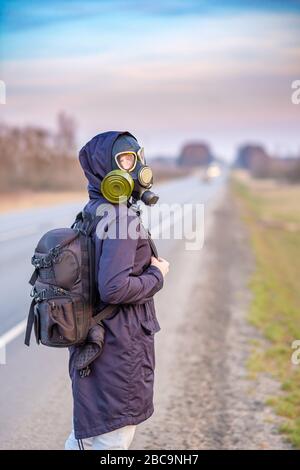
275 308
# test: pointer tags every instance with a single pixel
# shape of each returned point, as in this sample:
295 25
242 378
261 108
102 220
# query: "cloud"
222 77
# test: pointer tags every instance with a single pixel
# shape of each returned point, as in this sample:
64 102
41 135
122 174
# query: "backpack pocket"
60 322
66 269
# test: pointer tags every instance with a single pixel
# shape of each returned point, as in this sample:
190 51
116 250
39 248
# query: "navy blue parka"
119 389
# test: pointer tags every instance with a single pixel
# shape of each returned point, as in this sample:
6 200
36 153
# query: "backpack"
64 291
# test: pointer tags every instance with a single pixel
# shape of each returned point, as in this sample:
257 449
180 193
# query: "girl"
118 393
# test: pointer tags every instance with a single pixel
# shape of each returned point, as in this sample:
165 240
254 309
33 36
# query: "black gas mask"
130 176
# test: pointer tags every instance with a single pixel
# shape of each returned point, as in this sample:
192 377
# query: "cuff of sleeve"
158 274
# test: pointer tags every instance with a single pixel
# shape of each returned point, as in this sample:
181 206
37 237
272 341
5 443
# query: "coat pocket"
150 327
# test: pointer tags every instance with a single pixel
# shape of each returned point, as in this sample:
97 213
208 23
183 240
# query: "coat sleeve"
116 283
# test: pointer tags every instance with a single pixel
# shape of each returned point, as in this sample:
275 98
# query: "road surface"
201 394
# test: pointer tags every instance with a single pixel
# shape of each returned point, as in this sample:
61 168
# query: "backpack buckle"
35 261
33 292
59 291
38 296
85 372
42 295
47 260
54 253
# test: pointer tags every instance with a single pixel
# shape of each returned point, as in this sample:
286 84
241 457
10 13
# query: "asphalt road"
35 400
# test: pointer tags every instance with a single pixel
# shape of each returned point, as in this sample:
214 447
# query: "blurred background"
172 72
210 89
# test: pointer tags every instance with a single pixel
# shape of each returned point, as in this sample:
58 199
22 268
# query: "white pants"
119 439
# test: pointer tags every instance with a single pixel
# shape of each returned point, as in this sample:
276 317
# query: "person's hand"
161 264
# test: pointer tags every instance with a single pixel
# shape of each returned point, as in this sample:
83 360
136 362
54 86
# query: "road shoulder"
207 400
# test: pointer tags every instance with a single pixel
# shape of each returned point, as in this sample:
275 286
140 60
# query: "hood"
95 159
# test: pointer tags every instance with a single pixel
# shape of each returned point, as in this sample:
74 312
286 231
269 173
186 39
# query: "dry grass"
279 200
275 307
27 199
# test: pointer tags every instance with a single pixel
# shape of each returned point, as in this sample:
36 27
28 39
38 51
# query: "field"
271 210
27 198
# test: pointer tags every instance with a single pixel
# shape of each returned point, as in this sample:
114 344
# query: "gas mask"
130 176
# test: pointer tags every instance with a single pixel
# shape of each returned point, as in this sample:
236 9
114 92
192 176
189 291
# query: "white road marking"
9 336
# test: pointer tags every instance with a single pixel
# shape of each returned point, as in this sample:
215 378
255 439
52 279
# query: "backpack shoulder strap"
152 245
79 218
105 313
151 242
30 323
88 222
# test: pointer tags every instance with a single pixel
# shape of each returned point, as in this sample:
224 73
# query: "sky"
167 71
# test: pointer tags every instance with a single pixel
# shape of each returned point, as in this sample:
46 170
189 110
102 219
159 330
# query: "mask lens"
141 154
126 160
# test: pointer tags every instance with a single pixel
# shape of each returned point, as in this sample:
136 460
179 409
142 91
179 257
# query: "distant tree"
294 175
247 153
195 154
64 139
33 157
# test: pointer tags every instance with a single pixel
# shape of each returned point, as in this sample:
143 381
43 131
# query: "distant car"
211 172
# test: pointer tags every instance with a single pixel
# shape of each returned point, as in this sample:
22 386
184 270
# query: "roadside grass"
275 306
